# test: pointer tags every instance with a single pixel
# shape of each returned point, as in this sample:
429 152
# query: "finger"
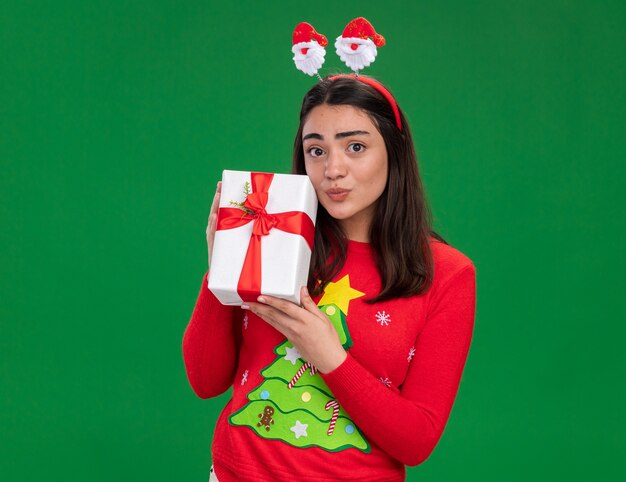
210 222
210 235
216 203
287 307
271 315
216 198
269 312
211 228
308 304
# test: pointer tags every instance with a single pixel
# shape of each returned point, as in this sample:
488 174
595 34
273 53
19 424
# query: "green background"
116 121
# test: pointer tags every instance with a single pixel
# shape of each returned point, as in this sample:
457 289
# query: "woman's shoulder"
448 261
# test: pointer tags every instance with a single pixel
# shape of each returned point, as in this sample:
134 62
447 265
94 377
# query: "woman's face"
346 160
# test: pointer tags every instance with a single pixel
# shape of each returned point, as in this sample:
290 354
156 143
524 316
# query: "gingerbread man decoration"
266 417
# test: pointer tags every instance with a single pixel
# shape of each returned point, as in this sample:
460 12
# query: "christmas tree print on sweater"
293 403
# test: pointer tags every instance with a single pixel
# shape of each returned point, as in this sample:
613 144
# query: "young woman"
359 380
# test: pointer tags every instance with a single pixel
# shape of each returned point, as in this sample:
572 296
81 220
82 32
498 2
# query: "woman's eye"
356 147
315 151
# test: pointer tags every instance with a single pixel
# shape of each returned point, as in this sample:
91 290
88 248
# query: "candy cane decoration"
300 372
333 420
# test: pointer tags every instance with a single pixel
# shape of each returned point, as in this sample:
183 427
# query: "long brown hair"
401 226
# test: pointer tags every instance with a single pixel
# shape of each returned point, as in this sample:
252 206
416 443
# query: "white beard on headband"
357 53
308 56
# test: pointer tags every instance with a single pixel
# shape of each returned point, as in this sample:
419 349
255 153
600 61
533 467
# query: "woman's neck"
357 228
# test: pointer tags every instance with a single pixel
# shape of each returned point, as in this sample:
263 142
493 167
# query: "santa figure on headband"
357 44
308 48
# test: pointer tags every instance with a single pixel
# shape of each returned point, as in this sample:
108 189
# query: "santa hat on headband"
357 44
362 29
308 48
304 32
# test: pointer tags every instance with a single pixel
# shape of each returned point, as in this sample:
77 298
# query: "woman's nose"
335 166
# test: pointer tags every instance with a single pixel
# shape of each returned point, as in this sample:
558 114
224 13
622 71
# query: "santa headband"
356 46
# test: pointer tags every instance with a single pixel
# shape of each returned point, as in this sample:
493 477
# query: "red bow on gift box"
294 222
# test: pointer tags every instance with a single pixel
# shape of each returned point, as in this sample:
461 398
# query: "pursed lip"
337 194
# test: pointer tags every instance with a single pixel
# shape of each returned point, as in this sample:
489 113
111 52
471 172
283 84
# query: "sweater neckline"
359 247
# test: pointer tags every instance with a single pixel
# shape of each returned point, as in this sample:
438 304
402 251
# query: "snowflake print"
385 381
244 377
245 321
411 354
383 318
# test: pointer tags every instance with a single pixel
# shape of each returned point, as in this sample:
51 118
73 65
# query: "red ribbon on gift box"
294 222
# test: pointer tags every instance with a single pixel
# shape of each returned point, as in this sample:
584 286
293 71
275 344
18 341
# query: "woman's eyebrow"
341 135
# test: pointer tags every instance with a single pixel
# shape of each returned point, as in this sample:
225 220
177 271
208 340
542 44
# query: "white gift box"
285 256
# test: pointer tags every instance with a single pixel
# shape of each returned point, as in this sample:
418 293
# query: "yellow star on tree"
340 293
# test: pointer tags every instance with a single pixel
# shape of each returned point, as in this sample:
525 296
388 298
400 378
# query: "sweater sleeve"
408 422
211 344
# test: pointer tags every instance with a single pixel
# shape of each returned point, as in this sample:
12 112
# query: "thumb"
307 303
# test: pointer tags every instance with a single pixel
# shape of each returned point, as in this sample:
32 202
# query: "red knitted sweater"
384 407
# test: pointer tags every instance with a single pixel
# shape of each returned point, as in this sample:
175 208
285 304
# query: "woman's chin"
339 213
